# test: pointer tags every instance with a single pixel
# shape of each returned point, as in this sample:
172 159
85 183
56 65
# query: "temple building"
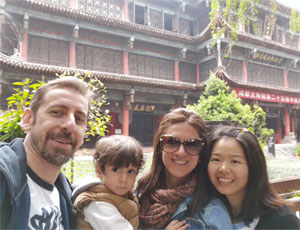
152 56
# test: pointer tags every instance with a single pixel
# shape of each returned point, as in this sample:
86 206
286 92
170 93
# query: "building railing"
288 189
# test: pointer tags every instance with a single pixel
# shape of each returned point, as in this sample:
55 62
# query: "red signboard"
262 96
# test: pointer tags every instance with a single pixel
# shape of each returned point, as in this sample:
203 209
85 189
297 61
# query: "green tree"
20 99
97 121
225 15
98 118
220 103
17 102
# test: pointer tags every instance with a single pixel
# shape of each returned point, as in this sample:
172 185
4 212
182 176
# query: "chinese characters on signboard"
141 108
262 96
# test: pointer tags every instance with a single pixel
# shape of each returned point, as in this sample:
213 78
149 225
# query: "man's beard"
54 155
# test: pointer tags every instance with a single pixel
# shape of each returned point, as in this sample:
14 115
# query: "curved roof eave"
259 87
263 42
16 64
255 40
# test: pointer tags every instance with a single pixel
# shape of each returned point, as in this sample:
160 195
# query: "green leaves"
98 117
219 103
17 102
20 99
234 12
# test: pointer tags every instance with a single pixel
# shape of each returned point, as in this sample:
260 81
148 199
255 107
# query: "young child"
111 204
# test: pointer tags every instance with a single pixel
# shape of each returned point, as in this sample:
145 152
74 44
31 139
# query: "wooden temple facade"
152 56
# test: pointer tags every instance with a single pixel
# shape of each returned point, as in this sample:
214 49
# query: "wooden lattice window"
155 19
265 75
202 21
99 59
140 15
205 69
168 22
48 51
184 26
146 66
234 68
277 35
8 40
187 72
106 8
293 80
291 40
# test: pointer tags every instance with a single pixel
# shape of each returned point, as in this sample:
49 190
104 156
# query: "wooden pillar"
125 11
282 37
24 42
72 54
293 124
125 119
197 74
284 75
72 47
279 131
125 68
176 70
125 111
113 119
286 121
244 72
2 22
156 121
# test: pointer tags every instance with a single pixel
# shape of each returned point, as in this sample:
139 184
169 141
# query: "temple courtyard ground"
283 165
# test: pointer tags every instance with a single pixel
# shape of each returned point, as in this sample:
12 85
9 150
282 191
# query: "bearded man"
34 194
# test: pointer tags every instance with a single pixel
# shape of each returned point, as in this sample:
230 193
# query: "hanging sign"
262 96
142 108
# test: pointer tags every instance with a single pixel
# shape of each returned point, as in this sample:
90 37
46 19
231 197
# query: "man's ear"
25 123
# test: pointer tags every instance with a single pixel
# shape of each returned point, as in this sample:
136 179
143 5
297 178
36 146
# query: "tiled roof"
16 64
100 20
270 44
75 14
260 87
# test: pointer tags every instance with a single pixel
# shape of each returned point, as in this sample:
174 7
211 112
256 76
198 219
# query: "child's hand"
177 225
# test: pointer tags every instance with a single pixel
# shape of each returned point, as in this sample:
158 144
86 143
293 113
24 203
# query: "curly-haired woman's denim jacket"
213 216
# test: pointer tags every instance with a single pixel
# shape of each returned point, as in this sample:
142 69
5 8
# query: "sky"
290 3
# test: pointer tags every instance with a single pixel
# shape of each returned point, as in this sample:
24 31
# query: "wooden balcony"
287 188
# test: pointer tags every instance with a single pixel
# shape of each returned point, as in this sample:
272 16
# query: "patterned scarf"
157 210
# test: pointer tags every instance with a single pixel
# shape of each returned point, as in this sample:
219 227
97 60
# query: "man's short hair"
60 83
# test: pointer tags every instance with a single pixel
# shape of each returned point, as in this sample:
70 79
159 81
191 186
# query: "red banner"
262 96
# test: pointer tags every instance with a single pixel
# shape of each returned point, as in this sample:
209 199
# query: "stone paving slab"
282 150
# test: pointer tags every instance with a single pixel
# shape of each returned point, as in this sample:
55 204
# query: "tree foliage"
220 103
226 15
98 118
17 102
235 12
20 99
294 24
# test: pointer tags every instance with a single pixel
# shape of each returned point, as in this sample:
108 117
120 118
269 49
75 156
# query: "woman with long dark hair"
237 170
171 194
